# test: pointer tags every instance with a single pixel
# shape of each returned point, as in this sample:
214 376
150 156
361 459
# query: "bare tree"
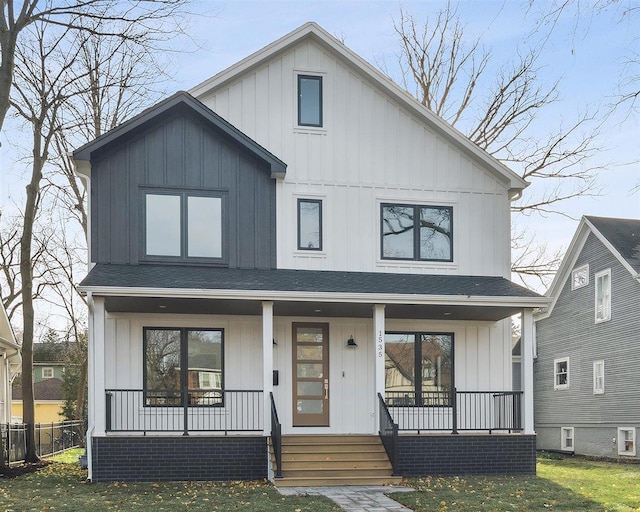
497 107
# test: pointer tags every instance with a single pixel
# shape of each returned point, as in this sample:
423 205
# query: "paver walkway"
354 498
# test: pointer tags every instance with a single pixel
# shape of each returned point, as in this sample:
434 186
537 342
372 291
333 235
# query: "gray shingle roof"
48 389
211 278
623 234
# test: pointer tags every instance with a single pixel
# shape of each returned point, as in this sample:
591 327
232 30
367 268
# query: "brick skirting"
146 459
423 455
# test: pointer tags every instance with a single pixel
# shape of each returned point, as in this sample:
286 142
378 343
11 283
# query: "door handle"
326 389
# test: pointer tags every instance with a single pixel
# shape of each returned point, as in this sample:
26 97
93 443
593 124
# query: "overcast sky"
586 53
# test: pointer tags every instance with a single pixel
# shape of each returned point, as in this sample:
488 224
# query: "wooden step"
337 481
335 456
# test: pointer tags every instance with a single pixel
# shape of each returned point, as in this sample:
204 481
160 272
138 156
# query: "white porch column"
96 356
378 333
267 362
526 347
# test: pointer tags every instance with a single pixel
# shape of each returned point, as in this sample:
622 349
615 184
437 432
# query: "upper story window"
561 373
183 225
310 224
579 277
598 377
603 296
47 373
416 232
309 100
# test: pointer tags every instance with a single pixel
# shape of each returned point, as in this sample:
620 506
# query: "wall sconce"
351 342
275 343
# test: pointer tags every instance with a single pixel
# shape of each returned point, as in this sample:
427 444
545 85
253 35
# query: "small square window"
603 296
598 377
627 441
561 373
567 439
310 224
47 373
580 277
309 100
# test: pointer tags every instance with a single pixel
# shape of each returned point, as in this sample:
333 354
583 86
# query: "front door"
310 375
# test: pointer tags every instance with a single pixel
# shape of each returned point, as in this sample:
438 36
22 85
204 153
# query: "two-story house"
588 345
297 254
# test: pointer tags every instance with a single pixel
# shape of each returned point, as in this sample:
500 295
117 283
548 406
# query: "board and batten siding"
570 331
370 150
180 152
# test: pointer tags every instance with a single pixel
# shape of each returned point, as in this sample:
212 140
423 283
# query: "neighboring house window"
416 232
627 441
310 224
603 296
566 442
561 373
580 277
47 373
598 377
309 100
418 368
184 225
179 358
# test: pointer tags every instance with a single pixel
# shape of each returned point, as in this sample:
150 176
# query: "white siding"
369 150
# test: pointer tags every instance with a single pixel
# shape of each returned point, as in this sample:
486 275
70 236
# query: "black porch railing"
276 437
388 433
190 410
456 410
50 438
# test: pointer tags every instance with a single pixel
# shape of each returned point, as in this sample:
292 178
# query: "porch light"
351 342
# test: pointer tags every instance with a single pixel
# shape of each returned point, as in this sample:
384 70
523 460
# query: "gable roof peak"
623 237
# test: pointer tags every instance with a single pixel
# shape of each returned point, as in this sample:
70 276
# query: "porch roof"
172 288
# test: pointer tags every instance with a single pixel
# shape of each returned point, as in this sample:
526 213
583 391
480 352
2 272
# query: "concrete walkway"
354 498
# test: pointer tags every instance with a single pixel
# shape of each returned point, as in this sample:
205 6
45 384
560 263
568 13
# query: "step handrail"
388 434
276 437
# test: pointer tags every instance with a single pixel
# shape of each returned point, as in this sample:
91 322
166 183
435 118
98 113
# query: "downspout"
90 364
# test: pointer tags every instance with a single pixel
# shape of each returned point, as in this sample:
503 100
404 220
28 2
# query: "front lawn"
61 486
566 484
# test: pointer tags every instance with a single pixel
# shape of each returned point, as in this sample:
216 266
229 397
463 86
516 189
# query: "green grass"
565 484
62 486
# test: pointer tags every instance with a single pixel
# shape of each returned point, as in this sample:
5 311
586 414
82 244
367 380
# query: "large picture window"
183 225
183 364
418 368
416 232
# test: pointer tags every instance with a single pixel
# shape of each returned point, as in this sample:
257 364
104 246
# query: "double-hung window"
627 441
310 100
310 224
567 441
598 377
561 373
183 366
416 232
418 368
603 296
184 225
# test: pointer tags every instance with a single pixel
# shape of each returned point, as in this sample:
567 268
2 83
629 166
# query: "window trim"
557 386
48 369
564 437
184 194
184 354
598 390
575 272
320 222
622 441
596 278
416 232
313 76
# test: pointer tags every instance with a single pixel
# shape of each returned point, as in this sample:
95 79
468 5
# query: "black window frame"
184 195
184 376
320 235
415 397
416 232
319 79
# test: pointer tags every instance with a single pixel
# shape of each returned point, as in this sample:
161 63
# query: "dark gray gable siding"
182 152
571 332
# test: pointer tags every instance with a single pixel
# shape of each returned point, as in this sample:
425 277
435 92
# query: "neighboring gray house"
588 345
297 254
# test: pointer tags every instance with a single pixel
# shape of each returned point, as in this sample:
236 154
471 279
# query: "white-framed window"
567 439
598 377
561 373
603 295
580 277
627 441
47 372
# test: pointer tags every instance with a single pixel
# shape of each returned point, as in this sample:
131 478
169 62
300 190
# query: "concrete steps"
321 460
